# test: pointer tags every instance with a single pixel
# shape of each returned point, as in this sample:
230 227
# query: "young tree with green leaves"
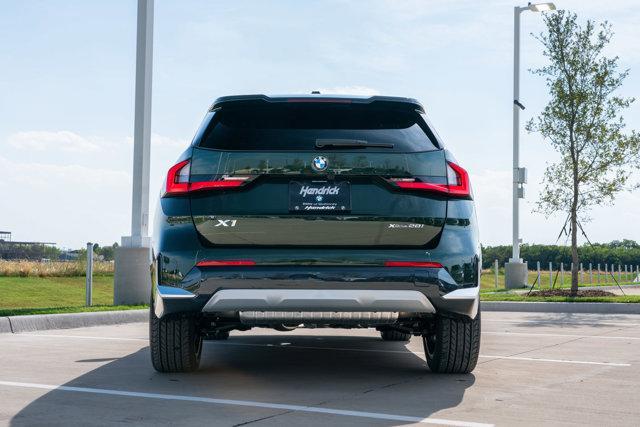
583 123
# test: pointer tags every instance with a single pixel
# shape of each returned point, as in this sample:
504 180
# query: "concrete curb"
5 325
562 307
40 322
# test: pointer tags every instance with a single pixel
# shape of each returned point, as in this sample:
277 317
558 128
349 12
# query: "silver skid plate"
329 300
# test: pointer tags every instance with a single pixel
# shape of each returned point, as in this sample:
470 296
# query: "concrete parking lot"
534 369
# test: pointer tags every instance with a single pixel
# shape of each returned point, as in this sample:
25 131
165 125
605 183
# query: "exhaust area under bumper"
342 318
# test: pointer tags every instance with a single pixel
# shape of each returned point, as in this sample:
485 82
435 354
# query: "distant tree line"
624 252
37 252
13 250
106 252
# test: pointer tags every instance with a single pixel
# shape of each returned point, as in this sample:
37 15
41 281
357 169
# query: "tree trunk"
574 233
574 253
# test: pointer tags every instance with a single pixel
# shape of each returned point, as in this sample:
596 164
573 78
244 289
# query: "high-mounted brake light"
458 183
422 264
178 181
225 263
320 100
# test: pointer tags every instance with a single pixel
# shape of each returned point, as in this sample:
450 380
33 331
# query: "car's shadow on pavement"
340 372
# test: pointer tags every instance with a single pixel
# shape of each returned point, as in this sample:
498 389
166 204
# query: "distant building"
69 255
10 249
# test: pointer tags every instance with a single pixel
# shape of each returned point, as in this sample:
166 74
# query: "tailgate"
286 200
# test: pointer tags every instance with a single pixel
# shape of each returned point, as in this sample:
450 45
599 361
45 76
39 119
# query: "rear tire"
175 342
454 346
393 335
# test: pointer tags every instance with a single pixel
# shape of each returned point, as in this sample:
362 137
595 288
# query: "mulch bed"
567 293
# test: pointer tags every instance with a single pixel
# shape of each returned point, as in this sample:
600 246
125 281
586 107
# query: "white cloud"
67 204
161 141
492 193
70 177
165 141
72 142
63 140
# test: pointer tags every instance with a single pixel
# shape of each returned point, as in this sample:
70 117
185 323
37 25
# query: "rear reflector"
422 264
225 263
458 185
178 181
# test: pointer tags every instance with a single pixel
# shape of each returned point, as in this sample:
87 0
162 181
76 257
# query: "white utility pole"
516 269
132 283
89 276
142 129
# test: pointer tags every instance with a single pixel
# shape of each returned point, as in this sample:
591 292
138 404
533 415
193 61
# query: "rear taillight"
178 178
457 186
422 264
458 179
178 181
225 263
224 182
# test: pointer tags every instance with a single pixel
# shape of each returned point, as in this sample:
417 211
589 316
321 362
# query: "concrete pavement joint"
515 356
262 419
535 349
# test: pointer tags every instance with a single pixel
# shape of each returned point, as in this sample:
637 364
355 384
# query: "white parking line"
248 403
86 337
535 359
365 350
529 334
559 322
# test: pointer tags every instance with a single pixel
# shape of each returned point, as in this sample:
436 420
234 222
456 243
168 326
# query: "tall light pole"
132 282
516 269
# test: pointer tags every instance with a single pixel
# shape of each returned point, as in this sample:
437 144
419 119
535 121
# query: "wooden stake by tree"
582 122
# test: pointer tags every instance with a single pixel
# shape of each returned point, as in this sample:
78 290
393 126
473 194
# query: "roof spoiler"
330 99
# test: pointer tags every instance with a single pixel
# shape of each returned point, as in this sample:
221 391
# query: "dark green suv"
316 211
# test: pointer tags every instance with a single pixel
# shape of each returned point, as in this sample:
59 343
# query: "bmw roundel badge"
320 163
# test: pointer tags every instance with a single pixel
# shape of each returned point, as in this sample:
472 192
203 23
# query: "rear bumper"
216 291
327 300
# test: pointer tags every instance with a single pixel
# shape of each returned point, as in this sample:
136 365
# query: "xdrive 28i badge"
320 163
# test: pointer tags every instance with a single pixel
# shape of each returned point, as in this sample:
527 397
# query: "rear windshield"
305 127
212 163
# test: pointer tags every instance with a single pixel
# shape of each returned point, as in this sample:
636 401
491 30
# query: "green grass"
47 295
488 280
504 296
57 310
48 292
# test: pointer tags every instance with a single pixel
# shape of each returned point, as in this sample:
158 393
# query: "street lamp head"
541 7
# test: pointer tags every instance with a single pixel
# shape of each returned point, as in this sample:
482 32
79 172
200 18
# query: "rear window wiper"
350 143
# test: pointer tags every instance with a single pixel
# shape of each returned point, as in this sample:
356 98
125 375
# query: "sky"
67 72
